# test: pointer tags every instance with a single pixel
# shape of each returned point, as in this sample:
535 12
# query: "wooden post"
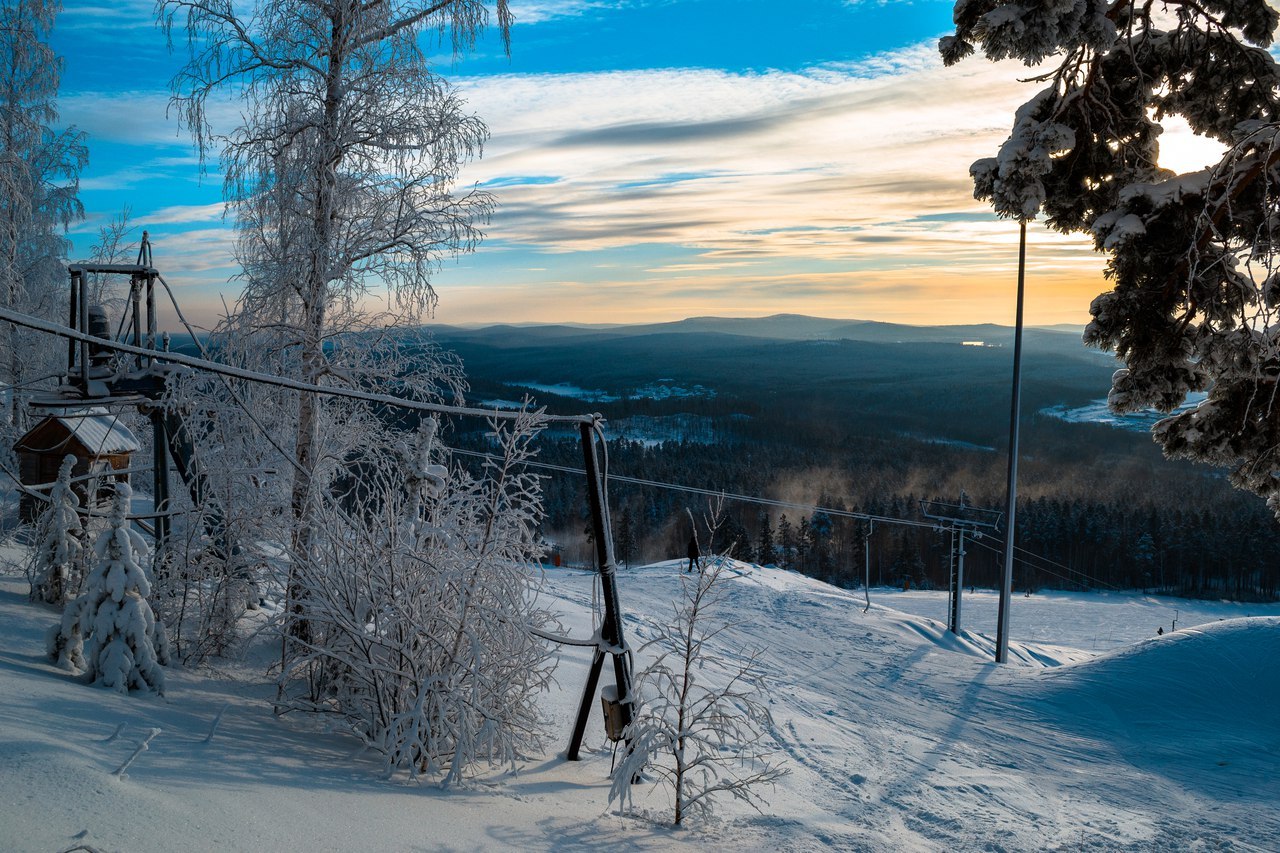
160 459
611 637
77 282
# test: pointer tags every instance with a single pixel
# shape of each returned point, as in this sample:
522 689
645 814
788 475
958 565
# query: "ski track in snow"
899 737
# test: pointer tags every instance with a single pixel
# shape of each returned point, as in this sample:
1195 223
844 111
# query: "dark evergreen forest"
872 427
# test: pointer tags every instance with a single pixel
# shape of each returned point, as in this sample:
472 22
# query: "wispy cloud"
119 15
778 163
853 175
540 11
186 214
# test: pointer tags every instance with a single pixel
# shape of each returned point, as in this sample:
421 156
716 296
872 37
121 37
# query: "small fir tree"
764 546
110 631
56 570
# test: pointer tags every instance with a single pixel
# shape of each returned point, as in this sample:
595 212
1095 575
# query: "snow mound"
1207 685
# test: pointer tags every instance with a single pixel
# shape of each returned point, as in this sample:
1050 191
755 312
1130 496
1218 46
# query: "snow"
661 389
1098 621
1098 412
669 389
564 389
899 737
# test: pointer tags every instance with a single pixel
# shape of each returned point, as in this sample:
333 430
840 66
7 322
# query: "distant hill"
781 327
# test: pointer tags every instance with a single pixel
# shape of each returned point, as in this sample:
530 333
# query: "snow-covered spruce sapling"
110 631
701 727
55 562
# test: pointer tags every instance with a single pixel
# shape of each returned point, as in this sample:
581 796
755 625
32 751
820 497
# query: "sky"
652 160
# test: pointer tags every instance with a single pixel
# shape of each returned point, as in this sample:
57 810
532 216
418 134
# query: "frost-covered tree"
701 726
1193 259
341 175
420 605
110 631
113 246
55 562
39 177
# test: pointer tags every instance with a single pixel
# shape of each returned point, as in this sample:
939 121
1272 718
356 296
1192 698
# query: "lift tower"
961 520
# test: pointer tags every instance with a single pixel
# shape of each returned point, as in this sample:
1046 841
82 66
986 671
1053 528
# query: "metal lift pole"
611 638
866 552
961 520
958 579
1011 488
77 281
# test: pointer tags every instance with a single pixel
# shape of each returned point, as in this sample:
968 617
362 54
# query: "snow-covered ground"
564 389
1097 621
1098 413
899 737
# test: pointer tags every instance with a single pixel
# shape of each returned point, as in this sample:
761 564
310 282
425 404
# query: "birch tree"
341 174
39 177
1193 260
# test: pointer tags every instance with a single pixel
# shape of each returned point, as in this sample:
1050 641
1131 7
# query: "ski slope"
899 736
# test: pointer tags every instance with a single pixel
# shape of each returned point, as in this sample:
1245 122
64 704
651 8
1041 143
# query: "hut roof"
96 429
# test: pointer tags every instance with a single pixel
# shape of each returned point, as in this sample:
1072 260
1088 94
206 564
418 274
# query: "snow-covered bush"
701 727
110 631
203 592
419 601
55 567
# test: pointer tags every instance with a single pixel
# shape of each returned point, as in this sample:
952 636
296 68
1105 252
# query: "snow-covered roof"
99 431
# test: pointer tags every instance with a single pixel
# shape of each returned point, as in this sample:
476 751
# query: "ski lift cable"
809 507
1053 562
713 493
222 370
29 322
1079 574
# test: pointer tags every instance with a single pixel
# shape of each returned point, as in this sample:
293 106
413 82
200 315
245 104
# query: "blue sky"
652 160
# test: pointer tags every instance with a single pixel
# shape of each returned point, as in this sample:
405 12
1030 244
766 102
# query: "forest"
787 413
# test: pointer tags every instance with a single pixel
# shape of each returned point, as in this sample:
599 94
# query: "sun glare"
1182 150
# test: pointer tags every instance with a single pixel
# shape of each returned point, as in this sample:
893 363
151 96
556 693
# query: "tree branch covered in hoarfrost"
341 178
39 178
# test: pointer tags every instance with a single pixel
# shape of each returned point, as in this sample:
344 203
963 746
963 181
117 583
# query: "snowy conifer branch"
1193 258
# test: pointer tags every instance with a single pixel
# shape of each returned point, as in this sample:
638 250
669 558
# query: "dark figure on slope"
693 554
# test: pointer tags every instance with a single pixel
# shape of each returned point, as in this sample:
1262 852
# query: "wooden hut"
97 438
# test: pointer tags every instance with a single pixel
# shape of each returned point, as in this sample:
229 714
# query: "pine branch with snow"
1193 259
